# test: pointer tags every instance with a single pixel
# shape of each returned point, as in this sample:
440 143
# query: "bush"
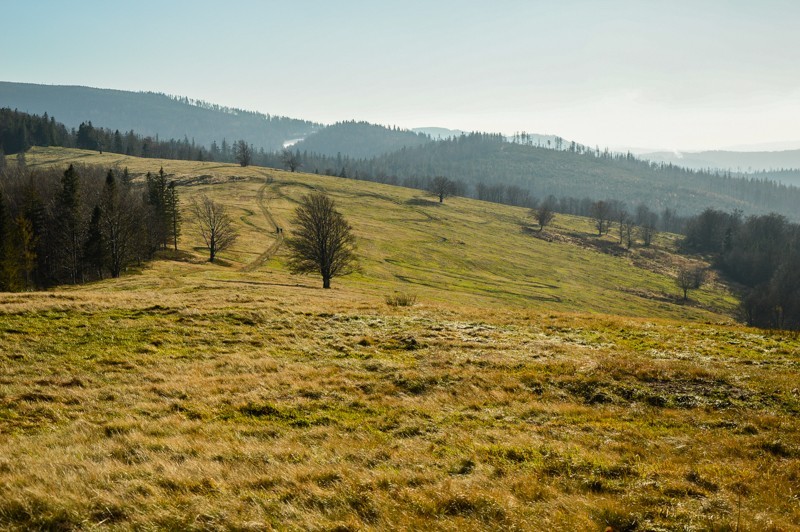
401 299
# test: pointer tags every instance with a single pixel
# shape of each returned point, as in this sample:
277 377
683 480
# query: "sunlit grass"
462 251
190 395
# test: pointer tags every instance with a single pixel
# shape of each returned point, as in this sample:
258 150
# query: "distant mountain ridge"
153 114
511 169
735 161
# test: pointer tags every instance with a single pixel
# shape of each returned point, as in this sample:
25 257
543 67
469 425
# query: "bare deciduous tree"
242 153
690 278
441 187
292 160
214 225
626 229
601 216
545 212
323 241
647 221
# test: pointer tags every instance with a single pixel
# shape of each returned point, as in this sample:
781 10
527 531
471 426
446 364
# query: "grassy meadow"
541 381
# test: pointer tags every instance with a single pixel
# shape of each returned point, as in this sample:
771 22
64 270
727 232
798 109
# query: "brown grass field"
540 382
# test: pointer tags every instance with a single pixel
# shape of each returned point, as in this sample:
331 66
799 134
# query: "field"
541 381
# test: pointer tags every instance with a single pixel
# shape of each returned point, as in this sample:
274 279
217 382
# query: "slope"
359 140
189 395
152 114
464 250
580 173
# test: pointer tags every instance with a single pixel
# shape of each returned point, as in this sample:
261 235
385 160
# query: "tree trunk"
326 282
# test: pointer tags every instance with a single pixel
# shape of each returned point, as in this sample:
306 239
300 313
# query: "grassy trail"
277 232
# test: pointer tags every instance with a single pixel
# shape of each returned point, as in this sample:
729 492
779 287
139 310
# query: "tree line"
759 251
490 168
80 224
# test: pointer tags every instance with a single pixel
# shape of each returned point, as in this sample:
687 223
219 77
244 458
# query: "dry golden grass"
198 396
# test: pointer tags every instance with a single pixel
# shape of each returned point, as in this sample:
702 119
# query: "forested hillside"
789 177
480 165
360 140
489 163
153 114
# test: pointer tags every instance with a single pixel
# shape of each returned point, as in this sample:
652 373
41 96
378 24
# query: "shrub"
401 299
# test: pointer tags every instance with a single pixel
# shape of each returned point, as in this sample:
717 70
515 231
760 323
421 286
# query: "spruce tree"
157 198
35 212
26 249
71 226
94 247
5 241
173 210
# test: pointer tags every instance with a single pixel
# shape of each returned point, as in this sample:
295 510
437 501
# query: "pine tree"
94 247
35 213
5 244
157 198
118 145
26 248
173 211
71 226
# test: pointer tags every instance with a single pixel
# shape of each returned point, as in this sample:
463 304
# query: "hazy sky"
676 75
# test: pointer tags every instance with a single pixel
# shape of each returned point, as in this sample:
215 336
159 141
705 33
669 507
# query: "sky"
679 75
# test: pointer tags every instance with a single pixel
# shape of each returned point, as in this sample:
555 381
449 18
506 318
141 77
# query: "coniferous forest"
80 224
480 165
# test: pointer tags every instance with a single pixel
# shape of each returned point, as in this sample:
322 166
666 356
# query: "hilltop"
359 140
541 380
153 114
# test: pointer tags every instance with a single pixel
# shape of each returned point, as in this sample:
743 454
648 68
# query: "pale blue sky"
675 75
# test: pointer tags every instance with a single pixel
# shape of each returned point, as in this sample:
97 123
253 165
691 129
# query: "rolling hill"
463 250
359 140
153 114
541 380
490 160
367 151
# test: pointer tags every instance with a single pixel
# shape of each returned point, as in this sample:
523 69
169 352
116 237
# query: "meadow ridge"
542 380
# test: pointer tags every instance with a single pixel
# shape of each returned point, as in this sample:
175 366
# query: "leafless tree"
690 278
322 241
441 187
647 221
626 229
601 216
214 225
118 223
291 160
242 153
545 212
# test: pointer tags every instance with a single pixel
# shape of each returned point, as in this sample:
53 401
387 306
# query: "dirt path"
276 234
